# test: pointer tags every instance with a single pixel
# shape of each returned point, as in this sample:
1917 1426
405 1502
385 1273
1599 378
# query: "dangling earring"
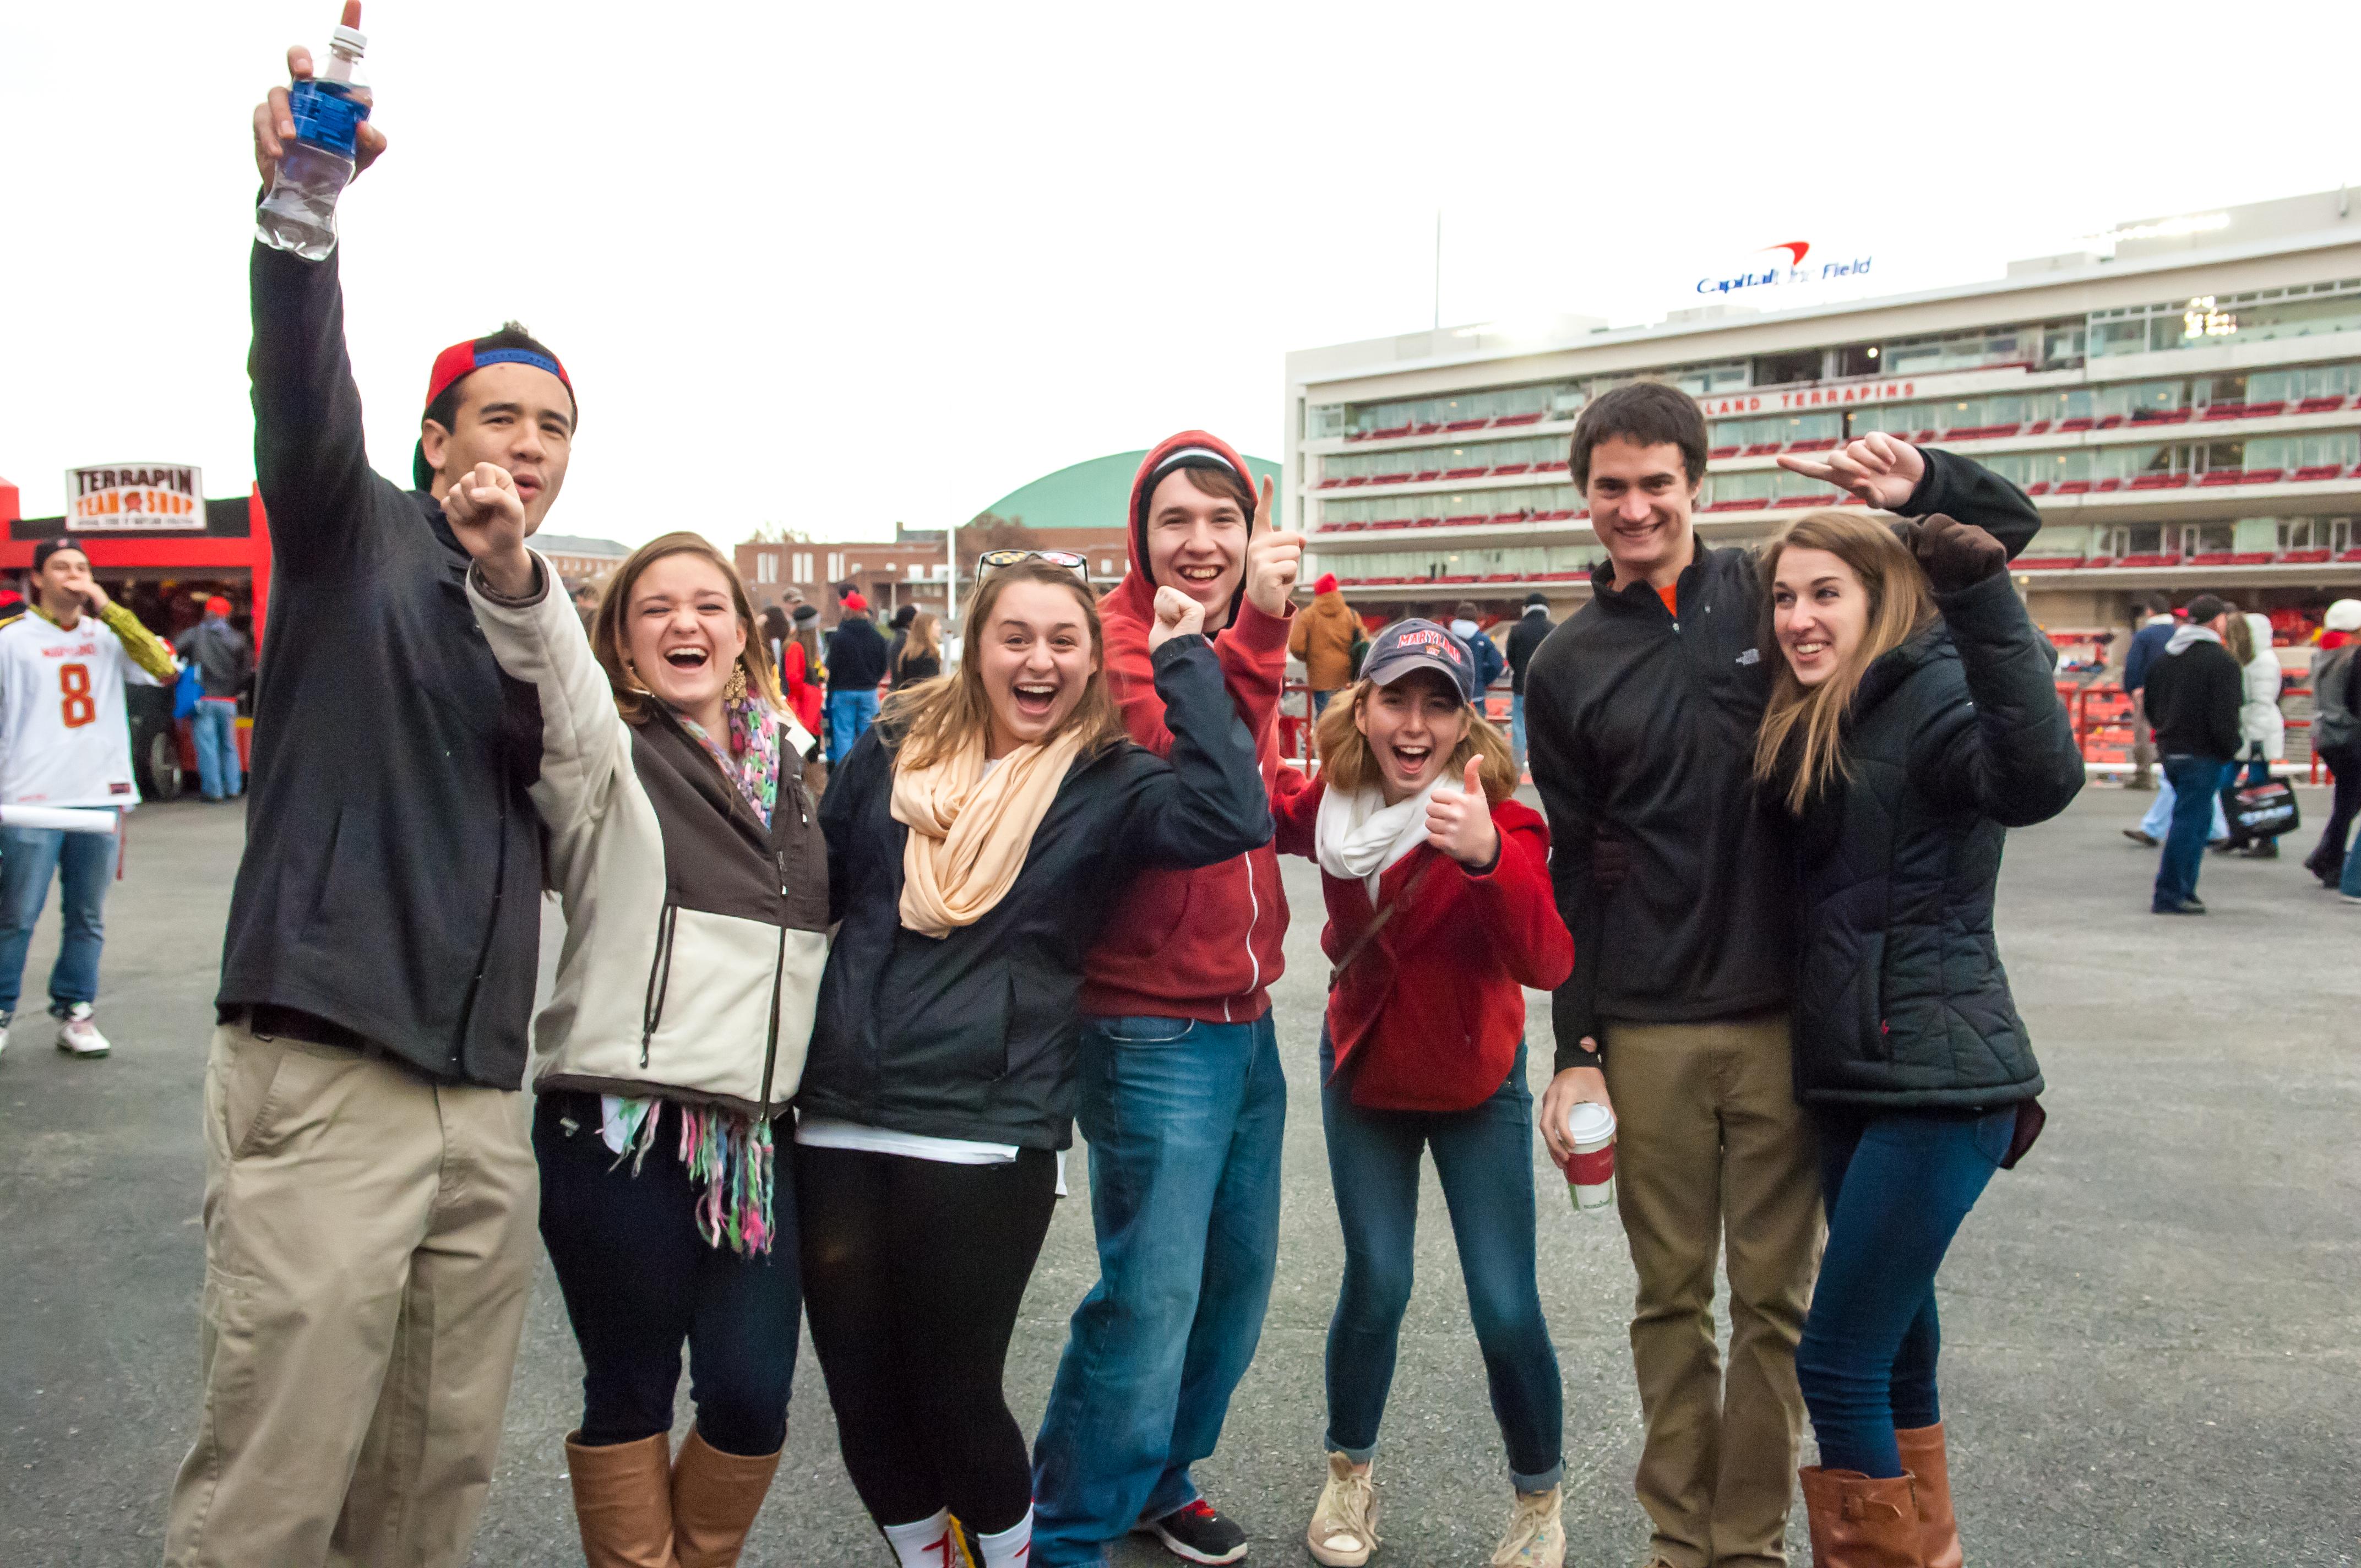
734 689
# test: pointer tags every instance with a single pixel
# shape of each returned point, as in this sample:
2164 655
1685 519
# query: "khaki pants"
2143 748
1712 1150
368 1252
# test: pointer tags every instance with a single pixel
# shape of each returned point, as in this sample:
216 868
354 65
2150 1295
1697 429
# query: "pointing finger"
1809 467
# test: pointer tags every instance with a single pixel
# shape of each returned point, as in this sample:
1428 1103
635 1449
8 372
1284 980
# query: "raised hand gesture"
1461 825
1273 560
487 515
1881 469
1177 615
274 125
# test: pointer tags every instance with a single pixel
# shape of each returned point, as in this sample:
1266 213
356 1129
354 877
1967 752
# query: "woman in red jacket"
1439 913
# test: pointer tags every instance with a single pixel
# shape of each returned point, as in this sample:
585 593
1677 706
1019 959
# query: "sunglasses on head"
992 560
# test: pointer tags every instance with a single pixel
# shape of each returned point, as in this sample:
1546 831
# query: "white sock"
926 1544
1012 1548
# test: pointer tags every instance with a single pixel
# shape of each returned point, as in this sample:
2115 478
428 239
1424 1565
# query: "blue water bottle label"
327 114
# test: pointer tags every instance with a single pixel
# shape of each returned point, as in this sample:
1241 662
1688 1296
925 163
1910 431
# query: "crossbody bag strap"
1377 924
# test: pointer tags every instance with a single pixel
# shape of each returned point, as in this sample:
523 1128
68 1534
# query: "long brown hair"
2239 638
1802 738
607 638
1347 763
932 719
924 640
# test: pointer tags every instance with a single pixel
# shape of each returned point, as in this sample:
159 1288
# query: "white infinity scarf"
1360 835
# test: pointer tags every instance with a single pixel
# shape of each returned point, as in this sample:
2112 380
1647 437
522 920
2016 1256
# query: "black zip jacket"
1642 726
1954 737
2192 699
856 656
974 1034
390 887
1525 638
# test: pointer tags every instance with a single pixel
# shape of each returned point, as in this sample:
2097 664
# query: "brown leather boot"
1859 1522
715 1497
1924 1456
622 1502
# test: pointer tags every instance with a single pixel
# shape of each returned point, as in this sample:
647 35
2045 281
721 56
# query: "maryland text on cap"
1417 643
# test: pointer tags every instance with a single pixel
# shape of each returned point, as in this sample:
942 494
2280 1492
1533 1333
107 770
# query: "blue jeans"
2197 796
1185 1120
1484 1158
84 864
850 715
2349 883
639 1281
1517 730
1897 1185
2158 820
215 725
1319 703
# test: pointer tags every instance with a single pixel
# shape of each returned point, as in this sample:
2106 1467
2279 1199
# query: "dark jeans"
1185 1120
2196 783
1897 1185
1484 1158
638 1280
912 1273
2345 766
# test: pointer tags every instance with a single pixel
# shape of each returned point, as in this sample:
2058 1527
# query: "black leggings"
913 1272
638 1280
2345 768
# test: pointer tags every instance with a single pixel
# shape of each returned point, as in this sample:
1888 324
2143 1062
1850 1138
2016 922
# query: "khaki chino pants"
369 1253
1712 1152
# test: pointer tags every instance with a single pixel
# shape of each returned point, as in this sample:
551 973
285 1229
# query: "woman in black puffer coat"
1913 720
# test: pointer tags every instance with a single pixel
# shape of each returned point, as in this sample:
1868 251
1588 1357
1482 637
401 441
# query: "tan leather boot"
715 1497
1924 1456
1859 1522
622 1502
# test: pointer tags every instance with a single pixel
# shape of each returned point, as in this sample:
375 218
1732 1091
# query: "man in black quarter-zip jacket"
1641 712
369 1191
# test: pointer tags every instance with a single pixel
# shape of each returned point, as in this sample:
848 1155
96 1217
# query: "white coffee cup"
1590 1174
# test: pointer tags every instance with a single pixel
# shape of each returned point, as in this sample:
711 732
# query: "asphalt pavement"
2150 1326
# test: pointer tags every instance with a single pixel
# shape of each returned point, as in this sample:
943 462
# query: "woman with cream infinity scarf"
976 837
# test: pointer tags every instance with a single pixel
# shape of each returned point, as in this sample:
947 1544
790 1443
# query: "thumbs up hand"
1460 825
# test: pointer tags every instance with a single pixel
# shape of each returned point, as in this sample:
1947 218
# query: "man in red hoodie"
1181 1096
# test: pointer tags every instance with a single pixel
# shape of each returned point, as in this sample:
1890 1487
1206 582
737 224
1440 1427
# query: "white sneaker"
1536 1533
5 1019
78 1037
1345 1526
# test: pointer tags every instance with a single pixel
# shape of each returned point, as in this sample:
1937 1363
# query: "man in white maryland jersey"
65 741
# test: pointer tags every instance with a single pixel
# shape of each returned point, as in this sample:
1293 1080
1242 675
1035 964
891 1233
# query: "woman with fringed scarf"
694 883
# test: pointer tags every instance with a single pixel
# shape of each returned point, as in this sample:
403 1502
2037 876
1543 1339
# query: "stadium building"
2185 411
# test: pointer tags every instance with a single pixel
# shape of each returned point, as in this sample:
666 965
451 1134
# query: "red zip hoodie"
1428 1016
1204 943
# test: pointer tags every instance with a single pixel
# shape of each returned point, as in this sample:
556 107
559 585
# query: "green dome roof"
1090 495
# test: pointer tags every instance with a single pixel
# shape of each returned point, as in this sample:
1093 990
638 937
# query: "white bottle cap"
345 40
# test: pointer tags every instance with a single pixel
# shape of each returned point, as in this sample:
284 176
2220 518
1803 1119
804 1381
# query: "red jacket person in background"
1181 1096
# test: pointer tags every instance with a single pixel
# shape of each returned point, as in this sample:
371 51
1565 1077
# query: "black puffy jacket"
1954 737
974 1034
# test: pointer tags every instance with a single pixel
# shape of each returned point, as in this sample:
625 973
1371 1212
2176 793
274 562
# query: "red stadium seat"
1555 466
1423 475
1466 520
2074 486
1507 420
1465 424
2205 481
2262 475
2045 563
1761 449
1719 452
2314 475
1503 468
2320 405
2252 558
2038 487
2304 557
1465 473
2065 425
1329 484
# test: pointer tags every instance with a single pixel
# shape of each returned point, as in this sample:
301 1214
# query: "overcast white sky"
835 265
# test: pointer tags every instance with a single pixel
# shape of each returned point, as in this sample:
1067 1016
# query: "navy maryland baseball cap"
1416 644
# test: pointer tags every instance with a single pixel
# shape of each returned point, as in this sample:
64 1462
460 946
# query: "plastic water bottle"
300 213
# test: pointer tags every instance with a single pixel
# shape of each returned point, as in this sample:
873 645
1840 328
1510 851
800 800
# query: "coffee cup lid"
1590 1123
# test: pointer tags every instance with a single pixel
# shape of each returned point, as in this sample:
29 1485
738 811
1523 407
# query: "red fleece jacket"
1204 943
1428 1016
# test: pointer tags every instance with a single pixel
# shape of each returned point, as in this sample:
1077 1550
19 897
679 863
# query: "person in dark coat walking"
2193 693
2336 741
1907 730
857 662
1525 640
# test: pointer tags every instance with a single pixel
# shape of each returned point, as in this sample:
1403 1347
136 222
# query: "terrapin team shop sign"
131 499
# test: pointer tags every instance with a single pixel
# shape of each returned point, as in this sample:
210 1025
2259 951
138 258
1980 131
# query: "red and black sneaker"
1198 1533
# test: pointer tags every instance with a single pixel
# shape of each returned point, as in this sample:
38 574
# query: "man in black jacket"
856 663
2193 694
369 1191
1641 712
1524 641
